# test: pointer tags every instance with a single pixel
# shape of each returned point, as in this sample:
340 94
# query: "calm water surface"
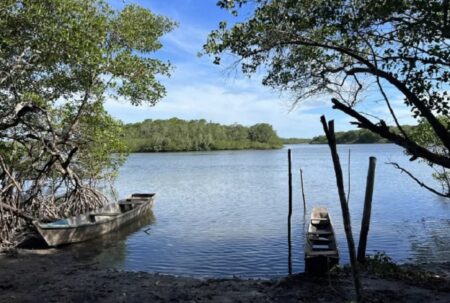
224 213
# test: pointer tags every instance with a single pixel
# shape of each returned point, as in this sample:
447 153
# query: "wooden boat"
321 251
95 223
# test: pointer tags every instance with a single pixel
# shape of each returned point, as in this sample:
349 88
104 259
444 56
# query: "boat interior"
106 213
320 236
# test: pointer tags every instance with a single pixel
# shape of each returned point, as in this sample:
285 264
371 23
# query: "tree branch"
370 68
422 184
383 131
329 132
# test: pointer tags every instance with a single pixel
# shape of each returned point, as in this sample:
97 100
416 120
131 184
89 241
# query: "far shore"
250 149
37 276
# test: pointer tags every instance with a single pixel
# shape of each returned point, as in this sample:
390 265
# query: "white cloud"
199 89
185 38
218 103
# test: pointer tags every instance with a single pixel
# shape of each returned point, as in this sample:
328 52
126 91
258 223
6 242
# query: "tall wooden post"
329 131
289 213
303 191
367 211
349 180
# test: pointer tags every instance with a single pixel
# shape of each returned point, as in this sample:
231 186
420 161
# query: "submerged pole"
367 211
289 213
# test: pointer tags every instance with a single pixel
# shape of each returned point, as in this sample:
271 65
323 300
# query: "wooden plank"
321 232
319 246
315 238
320 221
131 202
323 253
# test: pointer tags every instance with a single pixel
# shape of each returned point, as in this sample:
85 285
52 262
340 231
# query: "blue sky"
198 89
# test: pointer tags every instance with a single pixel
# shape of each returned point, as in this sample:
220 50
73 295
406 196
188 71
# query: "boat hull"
321 251
103 224
320 265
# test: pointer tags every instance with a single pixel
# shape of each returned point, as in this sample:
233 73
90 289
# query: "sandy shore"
61 278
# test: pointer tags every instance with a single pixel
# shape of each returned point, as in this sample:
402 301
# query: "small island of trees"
197 135
360 136
173 135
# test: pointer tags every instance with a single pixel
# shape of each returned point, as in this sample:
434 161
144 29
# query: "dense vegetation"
361 136
295 140
59 61
197 135
351 137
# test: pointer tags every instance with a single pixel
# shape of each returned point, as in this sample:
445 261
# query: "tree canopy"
197 135
59 60
351 137
339 48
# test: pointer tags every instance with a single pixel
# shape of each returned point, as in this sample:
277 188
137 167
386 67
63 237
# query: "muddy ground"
59 277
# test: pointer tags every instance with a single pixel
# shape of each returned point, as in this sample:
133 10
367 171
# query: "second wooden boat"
96 223
321 251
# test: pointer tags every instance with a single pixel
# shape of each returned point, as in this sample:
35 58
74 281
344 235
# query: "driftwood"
329 131
367 211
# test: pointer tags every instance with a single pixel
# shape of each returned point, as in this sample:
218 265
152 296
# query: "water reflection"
435 246
110 250
224 213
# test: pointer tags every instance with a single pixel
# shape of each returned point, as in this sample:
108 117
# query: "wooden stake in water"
303 192
349 180
289 213
367 211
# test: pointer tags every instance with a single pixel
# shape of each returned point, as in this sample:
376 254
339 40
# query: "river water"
219 214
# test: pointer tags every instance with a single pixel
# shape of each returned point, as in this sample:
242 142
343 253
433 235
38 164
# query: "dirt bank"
61 278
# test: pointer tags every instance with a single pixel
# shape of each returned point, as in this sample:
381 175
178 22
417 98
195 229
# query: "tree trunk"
329 131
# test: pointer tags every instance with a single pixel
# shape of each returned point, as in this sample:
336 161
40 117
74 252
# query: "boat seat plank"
320 221
320 246
314 238
320 232
322 253
131 202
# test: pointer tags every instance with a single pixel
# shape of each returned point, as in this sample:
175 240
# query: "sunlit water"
224 213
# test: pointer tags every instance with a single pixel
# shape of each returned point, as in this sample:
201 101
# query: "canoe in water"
321 252
95 223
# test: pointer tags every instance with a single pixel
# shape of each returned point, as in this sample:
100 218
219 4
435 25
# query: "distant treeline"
198 135
357 136
295 140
